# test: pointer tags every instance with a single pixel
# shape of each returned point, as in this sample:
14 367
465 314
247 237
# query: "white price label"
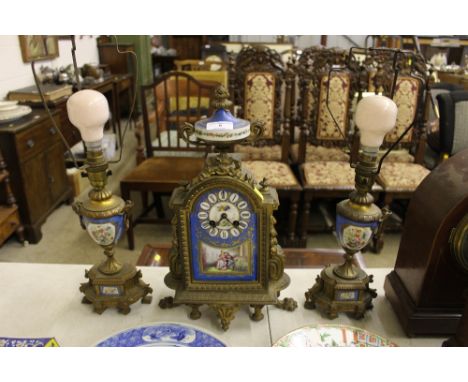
219 126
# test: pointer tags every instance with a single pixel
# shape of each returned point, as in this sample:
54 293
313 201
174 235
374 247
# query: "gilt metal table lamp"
103 215
345 287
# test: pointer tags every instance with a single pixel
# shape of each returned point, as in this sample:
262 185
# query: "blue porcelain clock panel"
223 229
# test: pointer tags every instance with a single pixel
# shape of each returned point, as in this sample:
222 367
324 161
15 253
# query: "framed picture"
38 47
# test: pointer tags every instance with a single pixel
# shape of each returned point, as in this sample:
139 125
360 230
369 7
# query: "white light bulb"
88 111
375 116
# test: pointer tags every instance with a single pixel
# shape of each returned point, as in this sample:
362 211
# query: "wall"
304 41
15 74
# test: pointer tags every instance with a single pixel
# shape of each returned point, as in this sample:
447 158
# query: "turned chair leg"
305 215
293 219
130 234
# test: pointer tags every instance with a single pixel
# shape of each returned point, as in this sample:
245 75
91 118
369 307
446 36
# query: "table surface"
43 300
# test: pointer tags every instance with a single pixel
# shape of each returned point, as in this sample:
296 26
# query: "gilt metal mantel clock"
225 252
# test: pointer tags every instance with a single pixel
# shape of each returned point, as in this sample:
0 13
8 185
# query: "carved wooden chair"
324 150
168 161
262 88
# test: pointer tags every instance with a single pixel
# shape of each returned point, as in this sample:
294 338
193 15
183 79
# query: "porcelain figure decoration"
354 235
105 231
164 334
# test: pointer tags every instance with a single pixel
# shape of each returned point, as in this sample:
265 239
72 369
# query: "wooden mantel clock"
429 284
225 252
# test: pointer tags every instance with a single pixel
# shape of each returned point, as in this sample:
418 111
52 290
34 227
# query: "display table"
43 300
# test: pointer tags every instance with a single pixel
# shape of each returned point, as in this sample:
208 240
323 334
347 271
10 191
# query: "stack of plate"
10 111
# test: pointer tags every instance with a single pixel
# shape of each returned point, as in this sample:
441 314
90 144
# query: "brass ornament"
111 284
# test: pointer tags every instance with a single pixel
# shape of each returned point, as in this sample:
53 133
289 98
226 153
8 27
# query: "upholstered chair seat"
402 156
401 177
330 175
278 174
319 153
268 153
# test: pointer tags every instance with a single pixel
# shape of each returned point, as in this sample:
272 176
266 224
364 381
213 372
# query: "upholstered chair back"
261 90
325 103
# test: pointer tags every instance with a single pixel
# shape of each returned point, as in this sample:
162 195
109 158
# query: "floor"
65 242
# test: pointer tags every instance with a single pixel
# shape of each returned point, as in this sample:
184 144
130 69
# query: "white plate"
8 105
332 336
162 334
12 115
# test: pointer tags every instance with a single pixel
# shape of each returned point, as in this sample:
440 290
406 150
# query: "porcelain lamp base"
333 294
118 290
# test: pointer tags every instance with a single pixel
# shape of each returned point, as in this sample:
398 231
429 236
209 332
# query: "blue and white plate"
162 334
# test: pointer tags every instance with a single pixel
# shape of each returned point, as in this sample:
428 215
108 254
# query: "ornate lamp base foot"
118 290
332 294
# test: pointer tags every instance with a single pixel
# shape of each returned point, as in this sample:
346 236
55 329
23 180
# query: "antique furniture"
9 216
427 286
70 132
73 325
258 82
460 338
194 65
345 288
165 160
453 108
225 253
103 215
157 255
118 63
33 153
326 141
187 47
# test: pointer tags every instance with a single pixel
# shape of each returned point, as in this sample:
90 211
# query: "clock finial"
221 98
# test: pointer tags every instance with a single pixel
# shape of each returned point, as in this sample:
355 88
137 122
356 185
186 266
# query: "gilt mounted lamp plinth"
103 215
345 288
225 253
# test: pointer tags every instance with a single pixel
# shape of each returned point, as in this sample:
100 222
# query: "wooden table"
453 78
155 255
43 300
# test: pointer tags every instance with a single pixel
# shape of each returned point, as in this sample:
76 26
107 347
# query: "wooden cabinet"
70 132
34 154
9 215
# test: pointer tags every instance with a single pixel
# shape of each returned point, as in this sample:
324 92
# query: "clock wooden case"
225 252
427 286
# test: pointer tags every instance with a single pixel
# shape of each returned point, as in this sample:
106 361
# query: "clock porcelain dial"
224 214
223 228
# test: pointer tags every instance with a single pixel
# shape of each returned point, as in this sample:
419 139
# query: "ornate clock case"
225 252
426 288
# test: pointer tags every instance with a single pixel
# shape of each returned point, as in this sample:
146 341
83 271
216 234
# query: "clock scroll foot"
167 303
288 304
257 315
225 313
195 314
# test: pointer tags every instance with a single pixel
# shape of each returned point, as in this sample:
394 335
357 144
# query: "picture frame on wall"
38 47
